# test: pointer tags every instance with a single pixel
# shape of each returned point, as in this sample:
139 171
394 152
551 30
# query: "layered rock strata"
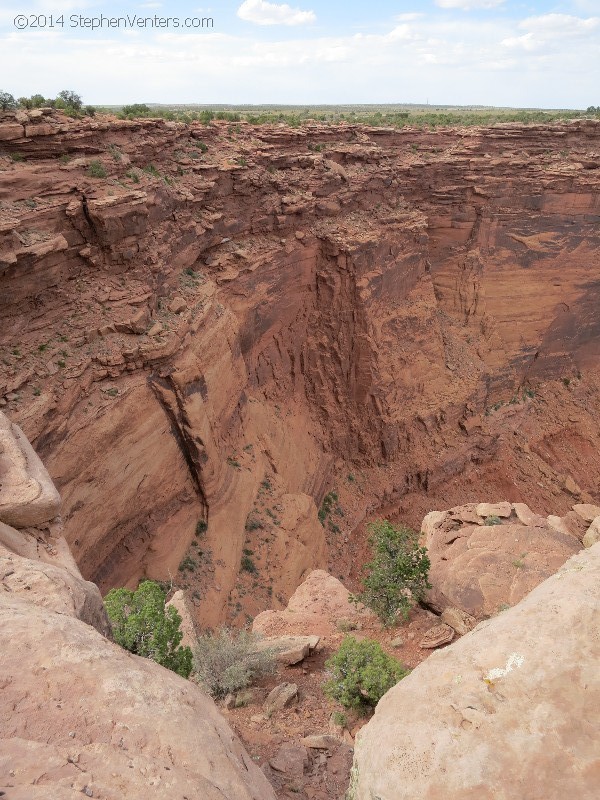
235 319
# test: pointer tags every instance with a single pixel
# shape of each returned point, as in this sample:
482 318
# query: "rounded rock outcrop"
511 710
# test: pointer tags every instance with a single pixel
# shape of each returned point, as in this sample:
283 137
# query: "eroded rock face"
510 710
104 719
366 311
481 568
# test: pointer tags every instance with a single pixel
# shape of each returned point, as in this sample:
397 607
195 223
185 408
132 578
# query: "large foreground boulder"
511 711
83 717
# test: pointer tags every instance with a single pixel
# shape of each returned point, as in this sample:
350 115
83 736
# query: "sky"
538 54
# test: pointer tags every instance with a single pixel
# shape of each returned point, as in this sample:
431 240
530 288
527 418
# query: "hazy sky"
492 52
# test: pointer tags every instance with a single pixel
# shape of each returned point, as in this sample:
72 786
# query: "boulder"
36 564
479 569
526 516
322 741
289 650
511 710
437 636
466 514
156 329
458 620
592 535
571 524
432 522
316 606
494 510
177 305
587 512
28 498
10 131
336 168
79 712
49 585
291 759
180 603
280 697
571 487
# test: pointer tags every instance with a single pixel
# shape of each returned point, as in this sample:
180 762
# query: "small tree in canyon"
397 574
142 625
361 673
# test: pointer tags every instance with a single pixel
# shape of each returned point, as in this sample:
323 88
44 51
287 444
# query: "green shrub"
253 523
188 564
397 574
7 101
70 99
227 661
362 672
151 170
327 505
201 527
247 565
136 110
339 719
493 520
142 625
96 170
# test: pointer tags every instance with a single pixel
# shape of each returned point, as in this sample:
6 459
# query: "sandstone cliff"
237 320
512 710
80 715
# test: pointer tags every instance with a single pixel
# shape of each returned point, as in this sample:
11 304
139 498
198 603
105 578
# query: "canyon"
234 345
85 717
